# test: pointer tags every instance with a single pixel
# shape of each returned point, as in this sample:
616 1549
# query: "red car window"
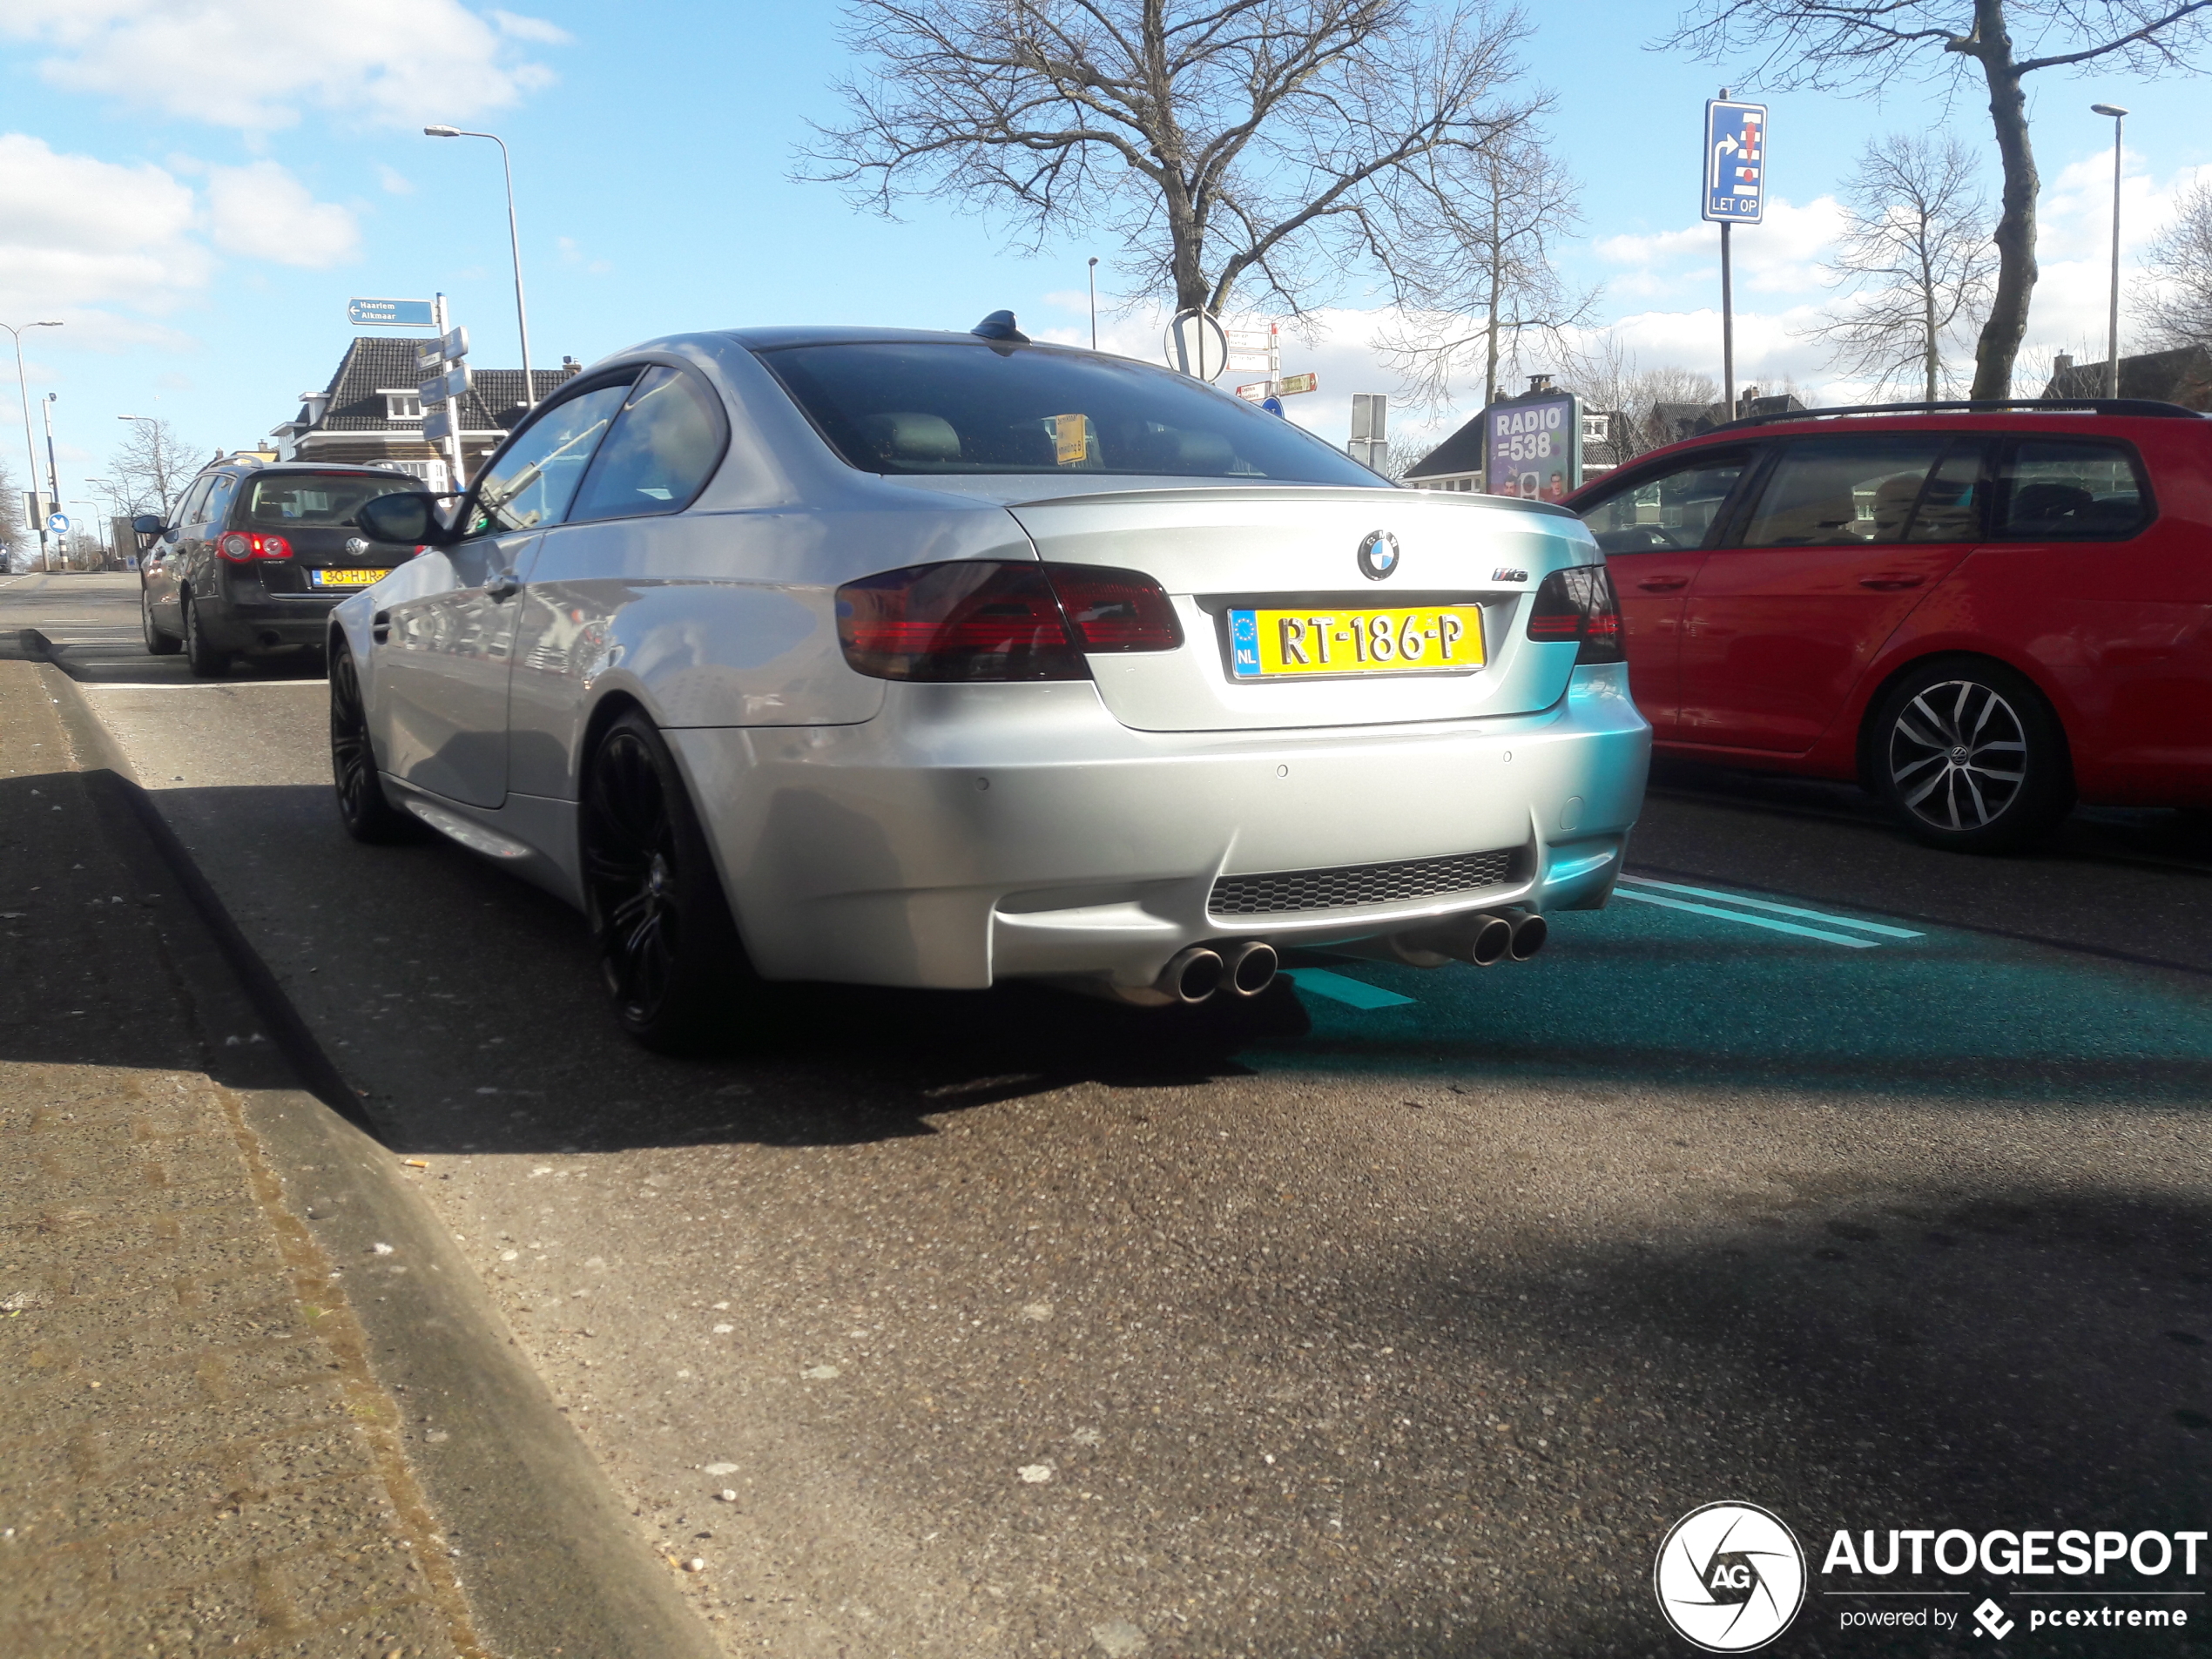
1839 491
1669 510
2070 490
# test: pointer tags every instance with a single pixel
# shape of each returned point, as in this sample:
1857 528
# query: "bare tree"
1868 44
1485 282
1916 254
1276 143
1611 382
150 468
13 538
2180 311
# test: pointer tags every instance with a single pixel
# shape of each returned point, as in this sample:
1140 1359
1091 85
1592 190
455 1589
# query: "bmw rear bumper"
970 833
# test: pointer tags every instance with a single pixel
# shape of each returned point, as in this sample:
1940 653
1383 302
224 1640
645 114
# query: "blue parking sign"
1735 161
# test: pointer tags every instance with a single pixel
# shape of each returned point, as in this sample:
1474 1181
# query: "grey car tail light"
974 620
1578 603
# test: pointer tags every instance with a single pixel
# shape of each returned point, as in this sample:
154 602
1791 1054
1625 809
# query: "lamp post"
30 455
53 472
514 243
1094 302
2112 355
160 471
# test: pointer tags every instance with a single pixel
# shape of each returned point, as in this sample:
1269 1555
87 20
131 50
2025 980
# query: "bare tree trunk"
1490 332
2007 322
1927 312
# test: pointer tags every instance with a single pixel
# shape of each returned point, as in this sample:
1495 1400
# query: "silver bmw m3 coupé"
922 659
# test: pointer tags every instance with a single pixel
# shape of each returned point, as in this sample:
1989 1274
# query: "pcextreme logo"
1730 1577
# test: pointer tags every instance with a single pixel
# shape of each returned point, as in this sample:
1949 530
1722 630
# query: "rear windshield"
945 407
283 499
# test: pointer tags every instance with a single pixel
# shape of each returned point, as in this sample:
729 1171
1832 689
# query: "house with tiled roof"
371 415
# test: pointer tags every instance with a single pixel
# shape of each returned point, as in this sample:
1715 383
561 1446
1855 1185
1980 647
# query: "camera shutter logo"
1378 555
1730 1577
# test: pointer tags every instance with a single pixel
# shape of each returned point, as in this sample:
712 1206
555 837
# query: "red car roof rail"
2135 406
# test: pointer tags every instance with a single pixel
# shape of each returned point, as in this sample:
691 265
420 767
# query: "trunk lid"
1297 550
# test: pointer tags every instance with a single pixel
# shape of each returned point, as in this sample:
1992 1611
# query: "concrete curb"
550 1559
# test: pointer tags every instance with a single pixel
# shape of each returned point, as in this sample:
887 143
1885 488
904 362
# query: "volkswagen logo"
356 545
1378 555
1730 1577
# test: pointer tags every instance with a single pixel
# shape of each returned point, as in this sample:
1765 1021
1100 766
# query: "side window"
188 508
660 453
1950 508
219 501
2069 489
529 484
1838 491
1669 510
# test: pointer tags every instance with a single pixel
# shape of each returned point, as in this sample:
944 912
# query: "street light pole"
53 472
30 453
1094 302
514 243
2112 355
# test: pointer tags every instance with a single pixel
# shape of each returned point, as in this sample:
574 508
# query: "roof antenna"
1000 325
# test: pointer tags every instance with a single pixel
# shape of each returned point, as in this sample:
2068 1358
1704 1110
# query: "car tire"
204 660
667 948
363 807
1968 756
157 643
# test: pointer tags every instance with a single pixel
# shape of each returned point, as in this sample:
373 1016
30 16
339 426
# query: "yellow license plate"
346 578
1379 639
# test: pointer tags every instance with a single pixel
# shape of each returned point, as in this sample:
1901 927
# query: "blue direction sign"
1735 161
391 314
58 523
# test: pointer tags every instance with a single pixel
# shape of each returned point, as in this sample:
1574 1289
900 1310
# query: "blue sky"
198 187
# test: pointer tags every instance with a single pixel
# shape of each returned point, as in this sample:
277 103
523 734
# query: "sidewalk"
194 1457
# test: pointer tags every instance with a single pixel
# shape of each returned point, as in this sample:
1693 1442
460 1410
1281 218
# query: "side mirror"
409 519
147 524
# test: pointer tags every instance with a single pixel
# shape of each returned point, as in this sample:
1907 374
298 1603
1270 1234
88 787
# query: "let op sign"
1735 161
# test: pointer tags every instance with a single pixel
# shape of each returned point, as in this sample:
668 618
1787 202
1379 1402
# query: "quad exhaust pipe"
1197 973
1194 974
1484 939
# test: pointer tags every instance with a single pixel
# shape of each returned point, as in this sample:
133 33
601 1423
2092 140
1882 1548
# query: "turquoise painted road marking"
1339 987
1883 929
1748 921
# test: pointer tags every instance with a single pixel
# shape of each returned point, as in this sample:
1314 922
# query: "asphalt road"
1401 1315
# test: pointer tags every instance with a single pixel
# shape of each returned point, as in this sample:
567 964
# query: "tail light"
1579 604
240 546
968 620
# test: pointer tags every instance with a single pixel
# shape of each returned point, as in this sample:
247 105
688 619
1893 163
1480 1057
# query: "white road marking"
1887 931
186 685
1750 921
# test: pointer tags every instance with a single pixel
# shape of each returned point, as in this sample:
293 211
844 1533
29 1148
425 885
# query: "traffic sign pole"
1727 325
453 404
1734 165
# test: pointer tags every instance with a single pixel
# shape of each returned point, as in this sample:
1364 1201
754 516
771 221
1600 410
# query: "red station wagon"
1982 611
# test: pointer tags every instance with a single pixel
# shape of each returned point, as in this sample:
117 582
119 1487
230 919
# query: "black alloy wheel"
1969 757
669 952
157 643
363 807
205 661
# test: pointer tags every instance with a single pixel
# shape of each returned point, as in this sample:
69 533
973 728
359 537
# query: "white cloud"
79 231
519 28
253 67
395 183
264 213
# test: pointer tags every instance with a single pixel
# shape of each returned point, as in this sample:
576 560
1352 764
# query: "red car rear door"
1850 532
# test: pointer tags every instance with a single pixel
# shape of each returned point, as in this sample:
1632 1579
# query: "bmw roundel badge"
1378 555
